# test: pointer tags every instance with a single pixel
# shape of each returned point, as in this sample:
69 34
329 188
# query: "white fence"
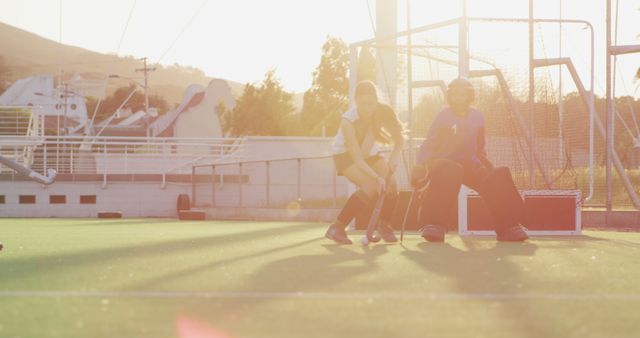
120 155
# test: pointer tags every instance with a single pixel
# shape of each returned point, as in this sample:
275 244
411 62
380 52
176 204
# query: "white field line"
326 295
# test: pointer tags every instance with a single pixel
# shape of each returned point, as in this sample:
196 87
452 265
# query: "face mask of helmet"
460 94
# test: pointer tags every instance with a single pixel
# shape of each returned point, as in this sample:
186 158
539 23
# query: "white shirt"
339 146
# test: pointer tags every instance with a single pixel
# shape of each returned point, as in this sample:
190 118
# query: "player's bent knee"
367 195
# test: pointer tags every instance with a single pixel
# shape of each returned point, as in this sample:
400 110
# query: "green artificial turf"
166 278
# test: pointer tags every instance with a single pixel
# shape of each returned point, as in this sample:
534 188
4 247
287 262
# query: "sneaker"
516 233
337 234
433 233
386 232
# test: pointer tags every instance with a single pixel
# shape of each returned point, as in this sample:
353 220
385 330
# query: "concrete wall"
148 199
319 186
132 199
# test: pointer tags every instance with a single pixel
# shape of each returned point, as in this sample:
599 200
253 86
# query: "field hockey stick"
416 190
370 236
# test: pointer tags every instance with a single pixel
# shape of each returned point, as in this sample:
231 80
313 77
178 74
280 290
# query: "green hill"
27 54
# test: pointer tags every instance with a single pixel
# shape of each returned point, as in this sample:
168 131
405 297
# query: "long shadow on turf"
476 269
296 273
149 284
312 273
487 270
315 273
573 241
141 221
24 267
122 221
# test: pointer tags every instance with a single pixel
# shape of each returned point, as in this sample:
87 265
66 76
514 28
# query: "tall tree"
225 116
265 109
328 96
5 71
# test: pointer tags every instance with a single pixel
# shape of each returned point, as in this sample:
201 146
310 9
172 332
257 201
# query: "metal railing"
233 152
311 181
218 178
25 126
120 155
21 121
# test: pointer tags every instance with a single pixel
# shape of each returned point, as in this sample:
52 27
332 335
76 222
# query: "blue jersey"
456 138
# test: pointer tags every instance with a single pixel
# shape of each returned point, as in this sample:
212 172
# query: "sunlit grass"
165 278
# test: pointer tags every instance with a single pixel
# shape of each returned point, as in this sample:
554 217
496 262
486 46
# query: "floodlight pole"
410 83
463 43
610 109
609 119
532 178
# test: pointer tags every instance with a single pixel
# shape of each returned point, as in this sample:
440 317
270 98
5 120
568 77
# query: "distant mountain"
27 54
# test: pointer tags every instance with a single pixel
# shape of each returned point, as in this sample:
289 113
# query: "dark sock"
368 211
354 204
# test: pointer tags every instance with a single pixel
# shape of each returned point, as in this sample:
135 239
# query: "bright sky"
242 39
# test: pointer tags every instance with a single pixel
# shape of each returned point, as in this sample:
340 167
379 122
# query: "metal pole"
213 186
64 95
146 93
592 118
105 161
353 74
193 185
410 83
268 183
609 117
240 184
299 179
58 147
64 126
560 103
463 43
146 97
532 180
387 59
335 189
45 145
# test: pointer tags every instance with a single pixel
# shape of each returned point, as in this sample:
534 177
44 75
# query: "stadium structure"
138 164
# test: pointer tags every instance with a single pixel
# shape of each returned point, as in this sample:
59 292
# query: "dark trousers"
495 187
